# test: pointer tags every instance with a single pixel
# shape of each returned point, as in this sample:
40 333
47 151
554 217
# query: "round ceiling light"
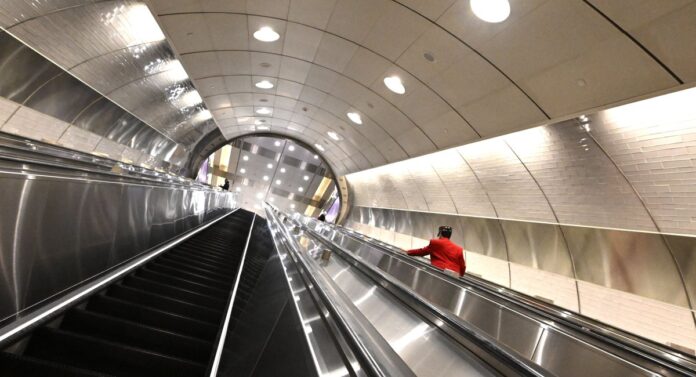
492 11
264 84
266 34
269 166
333 135
291 148
355 118
263 111
319 147
245 158
394 84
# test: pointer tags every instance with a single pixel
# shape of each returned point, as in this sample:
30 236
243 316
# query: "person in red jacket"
444 253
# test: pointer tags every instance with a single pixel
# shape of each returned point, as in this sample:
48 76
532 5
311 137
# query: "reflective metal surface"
60 225
556 347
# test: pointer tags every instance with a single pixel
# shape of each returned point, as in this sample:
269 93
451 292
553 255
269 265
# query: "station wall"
598 209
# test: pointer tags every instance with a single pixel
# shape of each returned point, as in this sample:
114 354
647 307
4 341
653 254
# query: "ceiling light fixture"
300 189
394 84
277 143
265 177
282 170
333 135
355 118
270 166
262 128
259 195
242 170
278 181
266 34
238 189
492 11
291 148
264 84
245 158
306 178
292 206
263 111
319 147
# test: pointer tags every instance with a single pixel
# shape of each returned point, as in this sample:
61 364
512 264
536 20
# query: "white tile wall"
557 288
79 139
652 319
35 125
489 268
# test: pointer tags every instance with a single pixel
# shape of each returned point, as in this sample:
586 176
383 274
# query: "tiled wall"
631 168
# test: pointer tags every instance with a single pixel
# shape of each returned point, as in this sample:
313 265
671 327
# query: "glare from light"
190 98
333 135
242 171
203 115
320 148
355 118
262 128
306 178
266 34
291 148
272 199
243 119
282 170
245 158
238 189
278 181
264 84
492 11
270 166
277 143
142 25
300 189
265 177
175 71
263 111
292 206
394 84
259 195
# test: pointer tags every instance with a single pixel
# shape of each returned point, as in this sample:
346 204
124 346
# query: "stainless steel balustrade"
425 338
561 342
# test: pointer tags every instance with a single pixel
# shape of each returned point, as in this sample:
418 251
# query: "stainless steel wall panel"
539 246
22 70
62 97
57 229
634 262
480 235
684 250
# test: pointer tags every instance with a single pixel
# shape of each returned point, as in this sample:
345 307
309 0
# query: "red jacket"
444 254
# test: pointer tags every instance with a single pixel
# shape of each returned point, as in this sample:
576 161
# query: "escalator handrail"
626 342
509 358
36 318
222 333
380 359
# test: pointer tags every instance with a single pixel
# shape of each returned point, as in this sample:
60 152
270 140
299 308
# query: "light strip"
225 325
18 326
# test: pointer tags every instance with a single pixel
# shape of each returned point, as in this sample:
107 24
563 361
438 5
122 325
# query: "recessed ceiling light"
277 143
278 181
493 11
355 118
245 158
394 84
291 148
333 135
282 170
300 189
264 84
238 189
319 147
306 178
266 34
270 166
259 195
292 206
242 170
262 128
263 111
265 177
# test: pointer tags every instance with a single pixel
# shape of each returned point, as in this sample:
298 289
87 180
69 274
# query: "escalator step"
12 365
153 317
201 257
107 357
173 292
218 267
137 335
188 276
187 267
167 304
181 283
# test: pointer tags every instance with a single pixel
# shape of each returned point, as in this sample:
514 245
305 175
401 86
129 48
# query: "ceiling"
549 60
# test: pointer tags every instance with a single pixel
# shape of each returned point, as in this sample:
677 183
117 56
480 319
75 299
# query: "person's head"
444 231
322 217
226 181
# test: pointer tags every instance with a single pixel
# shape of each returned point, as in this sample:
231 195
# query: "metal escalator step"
176 272
153 317
182 283
218 267
164 303
228 256
12 365
138 335
198 256
86 352
198 270
174 292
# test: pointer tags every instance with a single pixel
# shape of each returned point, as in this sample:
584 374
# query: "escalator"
162 319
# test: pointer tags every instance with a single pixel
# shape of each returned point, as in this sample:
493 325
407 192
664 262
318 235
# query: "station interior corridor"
230 187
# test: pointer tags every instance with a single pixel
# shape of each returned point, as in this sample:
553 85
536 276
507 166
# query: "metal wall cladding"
22 70
635 262
62 97
55 232
653 265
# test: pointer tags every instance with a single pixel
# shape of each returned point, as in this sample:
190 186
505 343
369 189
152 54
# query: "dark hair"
445 231
322 217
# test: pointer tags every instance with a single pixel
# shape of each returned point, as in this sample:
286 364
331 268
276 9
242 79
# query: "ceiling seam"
635 41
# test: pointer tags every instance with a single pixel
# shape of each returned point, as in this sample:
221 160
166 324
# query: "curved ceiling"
465 79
